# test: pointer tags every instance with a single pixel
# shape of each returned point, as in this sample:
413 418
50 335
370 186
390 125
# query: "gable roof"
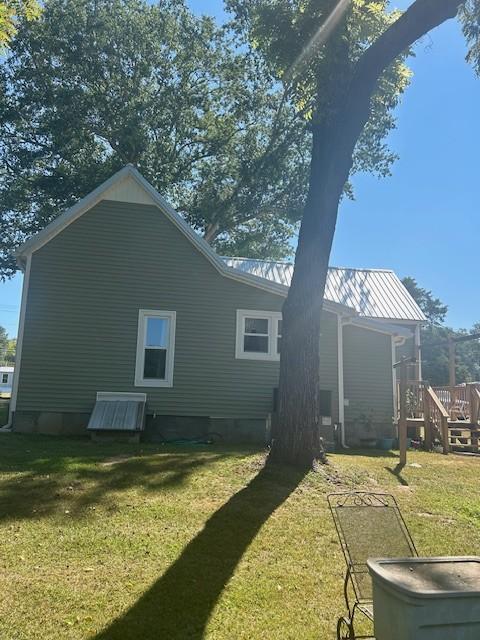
273 277
373 293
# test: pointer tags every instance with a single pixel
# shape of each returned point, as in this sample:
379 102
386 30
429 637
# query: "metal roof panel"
373 293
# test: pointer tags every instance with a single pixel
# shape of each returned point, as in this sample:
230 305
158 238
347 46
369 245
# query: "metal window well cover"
118 412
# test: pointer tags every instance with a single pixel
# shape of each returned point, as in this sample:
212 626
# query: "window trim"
272 317
140 381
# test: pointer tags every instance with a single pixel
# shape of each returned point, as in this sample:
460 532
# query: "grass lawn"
124 542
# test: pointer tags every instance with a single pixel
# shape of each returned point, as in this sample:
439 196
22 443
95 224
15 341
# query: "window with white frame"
4 378
259 335
155 348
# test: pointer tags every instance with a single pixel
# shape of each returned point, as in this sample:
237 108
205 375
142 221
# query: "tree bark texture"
296 435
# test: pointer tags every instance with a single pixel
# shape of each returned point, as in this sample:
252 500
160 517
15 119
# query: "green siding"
329 359
368 383
86 287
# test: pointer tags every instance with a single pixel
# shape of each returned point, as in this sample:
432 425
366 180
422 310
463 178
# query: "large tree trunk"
296 435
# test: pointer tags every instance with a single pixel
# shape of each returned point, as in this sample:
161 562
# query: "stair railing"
435 417
474 401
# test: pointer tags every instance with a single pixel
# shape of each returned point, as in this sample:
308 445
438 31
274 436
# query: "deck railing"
460 401
435 417
422 402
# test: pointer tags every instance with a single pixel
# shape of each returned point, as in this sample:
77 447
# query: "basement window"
155 348
258 335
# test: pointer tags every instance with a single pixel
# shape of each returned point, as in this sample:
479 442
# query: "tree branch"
420 18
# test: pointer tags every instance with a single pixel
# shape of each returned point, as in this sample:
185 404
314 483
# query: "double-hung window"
259 335
155 348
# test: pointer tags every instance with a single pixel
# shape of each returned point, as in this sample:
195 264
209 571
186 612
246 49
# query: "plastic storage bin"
426 598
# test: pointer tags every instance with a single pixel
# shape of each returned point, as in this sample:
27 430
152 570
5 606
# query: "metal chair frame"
359 604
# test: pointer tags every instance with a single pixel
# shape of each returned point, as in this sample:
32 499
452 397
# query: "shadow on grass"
178 606
43 477
397 472
368 453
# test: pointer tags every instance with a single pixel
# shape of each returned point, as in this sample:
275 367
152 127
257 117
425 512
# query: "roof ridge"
290 264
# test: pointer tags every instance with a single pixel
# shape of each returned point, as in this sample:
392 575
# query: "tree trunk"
296 434
297 438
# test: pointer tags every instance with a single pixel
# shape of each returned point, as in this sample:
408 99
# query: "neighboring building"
6 381
121 295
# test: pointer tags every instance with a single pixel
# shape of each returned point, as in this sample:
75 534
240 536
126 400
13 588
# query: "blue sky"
423 221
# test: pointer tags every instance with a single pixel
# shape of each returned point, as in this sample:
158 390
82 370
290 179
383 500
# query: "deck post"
427 419
445 436
402 422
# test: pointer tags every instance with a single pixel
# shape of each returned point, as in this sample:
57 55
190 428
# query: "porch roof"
373 293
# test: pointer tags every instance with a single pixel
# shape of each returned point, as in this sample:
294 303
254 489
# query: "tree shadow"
368 453
397 472
81 476
179 604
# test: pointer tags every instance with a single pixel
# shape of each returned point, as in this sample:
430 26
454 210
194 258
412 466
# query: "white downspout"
341 388
418 351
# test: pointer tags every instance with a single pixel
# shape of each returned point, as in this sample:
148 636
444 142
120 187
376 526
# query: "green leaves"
316 72
91 86
10 12
470 18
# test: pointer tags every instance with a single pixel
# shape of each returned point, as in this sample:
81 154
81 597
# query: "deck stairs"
446 416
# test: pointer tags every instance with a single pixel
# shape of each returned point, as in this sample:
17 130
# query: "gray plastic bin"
426 598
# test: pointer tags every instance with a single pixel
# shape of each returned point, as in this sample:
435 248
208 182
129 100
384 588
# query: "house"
6 380
121 295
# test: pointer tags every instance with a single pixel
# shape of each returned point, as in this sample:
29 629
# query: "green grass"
125 542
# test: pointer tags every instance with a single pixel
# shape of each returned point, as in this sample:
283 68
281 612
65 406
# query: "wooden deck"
446 416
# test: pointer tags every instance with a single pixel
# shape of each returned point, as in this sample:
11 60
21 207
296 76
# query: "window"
155 348
259 335
4 378
279 334
325 400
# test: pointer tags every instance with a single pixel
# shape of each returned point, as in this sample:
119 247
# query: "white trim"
121 395
394 379
272 317
376 325
341 382
418 350
140 381
21 331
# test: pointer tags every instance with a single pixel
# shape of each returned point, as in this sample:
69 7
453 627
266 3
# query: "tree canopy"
432 307
11 11
197 107
434 339
7 347
92 86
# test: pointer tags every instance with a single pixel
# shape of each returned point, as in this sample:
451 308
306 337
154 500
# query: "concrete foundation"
157 428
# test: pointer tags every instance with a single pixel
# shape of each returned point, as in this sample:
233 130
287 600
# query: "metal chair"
369 525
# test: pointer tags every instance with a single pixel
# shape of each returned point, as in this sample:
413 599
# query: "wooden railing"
423 403
435 416
460 401
475 403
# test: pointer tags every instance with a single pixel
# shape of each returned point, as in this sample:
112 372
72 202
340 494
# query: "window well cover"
118 412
